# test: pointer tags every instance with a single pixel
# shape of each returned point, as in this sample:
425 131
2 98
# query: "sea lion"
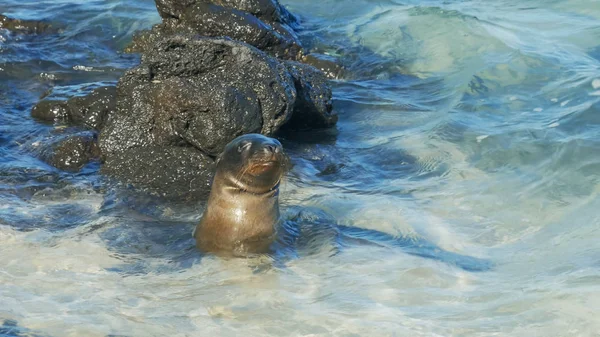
242 213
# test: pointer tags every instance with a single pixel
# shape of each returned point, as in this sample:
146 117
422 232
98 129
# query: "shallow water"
473 124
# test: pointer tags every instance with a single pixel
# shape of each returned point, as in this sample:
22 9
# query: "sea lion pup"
242 213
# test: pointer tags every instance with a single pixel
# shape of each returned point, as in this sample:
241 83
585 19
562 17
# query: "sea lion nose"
272 148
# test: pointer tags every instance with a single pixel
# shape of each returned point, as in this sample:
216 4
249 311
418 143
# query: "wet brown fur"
242 213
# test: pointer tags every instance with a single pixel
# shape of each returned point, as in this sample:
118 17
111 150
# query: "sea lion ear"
218 159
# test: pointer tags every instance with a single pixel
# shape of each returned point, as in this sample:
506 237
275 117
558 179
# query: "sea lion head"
252 163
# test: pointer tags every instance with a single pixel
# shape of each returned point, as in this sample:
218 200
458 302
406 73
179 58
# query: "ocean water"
472 124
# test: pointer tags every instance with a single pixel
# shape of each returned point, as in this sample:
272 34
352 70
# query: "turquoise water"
474 124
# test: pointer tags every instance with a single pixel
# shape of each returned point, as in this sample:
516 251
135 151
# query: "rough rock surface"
269 11
201 92
260 23
327 65
71 152
24 26
172 172
313 108
91 110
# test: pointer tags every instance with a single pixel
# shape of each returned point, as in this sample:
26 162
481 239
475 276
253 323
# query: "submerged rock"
49 110
262 24
91 110
326 64
71 152
24 26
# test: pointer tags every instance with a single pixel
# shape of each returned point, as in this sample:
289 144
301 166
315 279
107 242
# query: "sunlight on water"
475 125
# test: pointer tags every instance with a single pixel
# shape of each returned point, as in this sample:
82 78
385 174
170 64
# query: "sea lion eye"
244 146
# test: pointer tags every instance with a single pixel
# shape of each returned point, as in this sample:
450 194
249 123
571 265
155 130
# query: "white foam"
480 138
83 68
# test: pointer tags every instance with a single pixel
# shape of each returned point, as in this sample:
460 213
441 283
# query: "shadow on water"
307 231
151 246
11 328
41 197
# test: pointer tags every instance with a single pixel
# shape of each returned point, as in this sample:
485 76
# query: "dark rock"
313 108
72 152
269 11
51 111
172 8
201 92
194 92
328 65
24 26
90 110
93 110
217 21
144 40
214 20
173 172
188 98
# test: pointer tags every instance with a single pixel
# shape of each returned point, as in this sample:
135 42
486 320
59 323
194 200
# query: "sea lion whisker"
242 174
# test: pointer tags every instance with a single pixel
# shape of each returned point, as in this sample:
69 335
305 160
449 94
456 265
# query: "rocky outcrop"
190 96
162 126
200 92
